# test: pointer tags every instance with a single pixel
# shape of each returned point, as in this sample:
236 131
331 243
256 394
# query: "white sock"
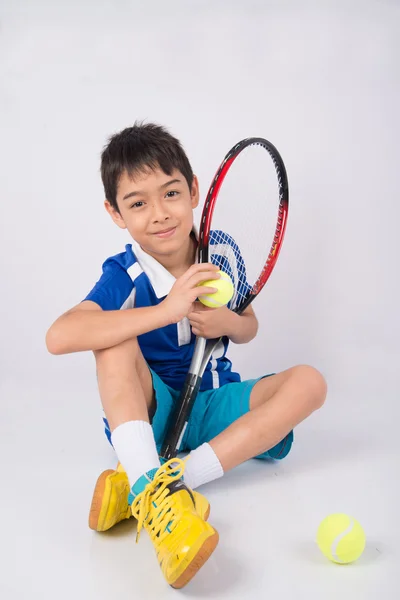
202 466
135 446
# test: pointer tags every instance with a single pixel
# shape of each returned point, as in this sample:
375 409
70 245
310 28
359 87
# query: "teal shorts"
213 411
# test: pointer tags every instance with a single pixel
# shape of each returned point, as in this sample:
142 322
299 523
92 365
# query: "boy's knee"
315 384
118 357
318 387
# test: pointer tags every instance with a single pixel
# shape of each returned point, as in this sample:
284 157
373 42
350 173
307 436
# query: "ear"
194 192
115 215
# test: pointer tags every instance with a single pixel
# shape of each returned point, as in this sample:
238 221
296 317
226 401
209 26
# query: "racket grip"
180 416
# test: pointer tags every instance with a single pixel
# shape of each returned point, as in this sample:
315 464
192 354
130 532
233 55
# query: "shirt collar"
160 279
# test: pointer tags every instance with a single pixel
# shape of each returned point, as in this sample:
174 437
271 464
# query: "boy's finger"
199 278
204 290
200 268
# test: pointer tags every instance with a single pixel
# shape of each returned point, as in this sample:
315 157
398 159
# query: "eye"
172 194
137 204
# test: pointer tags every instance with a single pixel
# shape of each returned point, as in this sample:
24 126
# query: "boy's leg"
126 386
277 404
127 394
127 397
182 539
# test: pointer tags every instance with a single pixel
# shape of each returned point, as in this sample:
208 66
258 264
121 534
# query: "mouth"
165 233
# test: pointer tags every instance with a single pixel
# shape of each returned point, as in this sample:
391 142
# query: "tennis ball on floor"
224 294
341 538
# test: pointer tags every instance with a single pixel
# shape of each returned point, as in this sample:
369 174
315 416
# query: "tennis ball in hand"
341 538
222 296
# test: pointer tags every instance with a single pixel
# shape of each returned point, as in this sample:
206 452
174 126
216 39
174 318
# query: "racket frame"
204 349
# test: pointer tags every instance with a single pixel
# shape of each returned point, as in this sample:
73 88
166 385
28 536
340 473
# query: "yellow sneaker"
110 501
165 507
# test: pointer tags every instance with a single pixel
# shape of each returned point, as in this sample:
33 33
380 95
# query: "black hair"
137 149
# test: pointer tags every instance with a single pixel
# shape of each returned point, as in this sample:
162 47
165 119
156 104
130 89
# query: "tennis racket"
247 207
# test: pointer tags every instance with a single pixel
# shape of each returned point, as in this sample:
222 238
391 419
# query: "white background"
321 80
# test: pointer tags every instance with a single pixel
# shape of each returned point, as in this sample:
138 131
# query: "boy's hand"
179 302
210 322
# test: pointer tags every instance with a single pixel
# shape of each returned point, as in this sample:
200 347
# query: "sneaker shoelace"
155 507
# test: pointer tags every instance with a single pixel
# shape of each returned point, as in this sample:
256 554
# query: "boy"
140 320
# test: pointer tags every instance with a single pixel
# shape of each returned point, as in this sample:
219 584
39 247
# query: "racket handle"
180 417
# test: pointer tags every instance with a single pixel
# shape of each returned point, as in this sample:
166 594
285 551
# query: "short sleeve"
114 288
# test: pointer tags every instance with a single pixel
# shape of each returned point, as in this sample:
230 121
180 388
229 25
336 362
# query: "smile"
166 233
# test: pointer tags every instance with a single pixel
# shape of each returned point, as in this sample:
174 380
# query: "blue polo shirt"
134 279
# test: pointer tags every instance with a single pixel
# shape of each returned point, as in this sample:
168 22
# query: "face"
157 210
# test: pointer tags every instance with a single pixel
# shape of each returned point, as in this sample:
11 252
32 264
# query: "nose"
159 213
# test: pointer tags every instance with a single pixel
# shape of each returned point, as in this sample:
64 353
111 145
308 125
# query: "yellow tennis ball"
222 296
341 538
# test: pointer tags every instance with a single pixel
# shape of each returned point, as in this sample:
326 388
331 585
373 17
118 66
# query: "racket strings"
247 220
225 254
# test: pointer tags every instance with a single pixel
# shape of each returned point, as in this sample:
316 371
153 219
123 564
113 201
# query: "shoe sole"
97 501
199 560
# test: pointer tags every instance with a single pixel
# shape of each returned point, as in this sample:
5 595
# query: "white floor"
266 514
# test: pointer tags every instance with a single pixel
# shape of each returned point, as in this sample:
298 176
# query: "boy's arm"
88 327
242 328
